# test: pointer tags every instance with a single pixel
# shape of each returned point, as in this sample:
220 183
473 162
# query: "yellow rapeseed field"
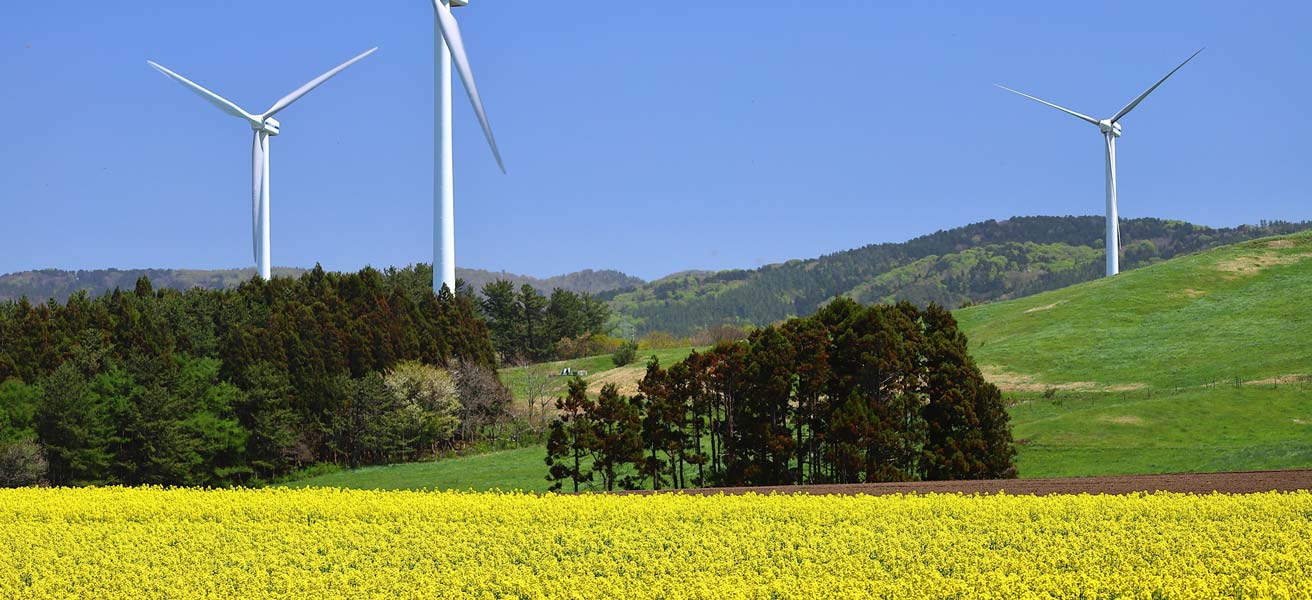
322 543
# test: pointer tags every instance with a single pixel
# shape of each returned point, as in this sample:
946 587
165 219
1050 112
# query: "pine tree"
564 316
532 307
723 368
811 344
617 441
503 313
572 437
953 442
73 426
765 441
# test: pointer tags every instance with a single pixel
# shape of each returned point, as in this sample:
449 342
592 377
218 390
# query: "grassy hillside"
1201 363
1225 428
1237 312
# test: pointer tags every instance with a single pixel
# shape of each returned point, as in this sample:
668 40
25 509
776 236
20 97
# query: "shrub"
428 404
22 463
586 345
625 355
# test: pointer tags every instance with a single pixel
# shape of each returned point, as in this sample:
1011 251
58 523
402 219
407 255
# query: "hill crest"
43 284
977 263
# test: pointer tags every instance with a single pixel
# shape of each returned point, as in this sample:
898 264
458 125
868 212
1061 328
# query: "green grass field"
519 469
1202 363
1226 428
1196 364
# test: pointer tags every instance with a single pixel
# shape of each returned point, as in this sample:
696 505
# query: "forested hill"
580 282
45 284
981 262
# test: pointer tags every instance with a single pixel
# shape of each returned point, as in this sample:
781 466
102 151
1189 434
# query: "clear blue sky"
649 137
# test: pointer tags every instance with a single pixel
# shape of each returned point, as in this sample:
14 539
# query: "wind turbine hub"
1107 126
269 126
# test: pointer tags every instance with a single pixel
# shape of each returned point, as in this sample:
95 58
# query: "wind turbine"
448 47
1111 129
264 126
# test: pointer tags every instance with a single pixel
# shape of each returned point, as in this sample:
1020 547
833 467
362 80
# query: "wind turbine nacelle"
270 126
1107 126
455 3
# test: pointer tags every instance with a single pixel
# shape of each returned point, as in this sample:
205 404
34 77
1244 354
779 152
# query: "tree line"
850 394
218 387
527 326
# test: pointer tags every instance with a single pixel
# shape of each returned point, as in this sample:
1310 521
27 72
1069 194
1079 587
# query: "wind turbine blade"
1129 107
1065 110
451 33
222 103
257 178
314 83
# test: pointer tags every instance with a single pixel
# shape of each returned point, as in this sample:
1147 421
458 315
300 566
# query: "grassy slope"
600 370
1160 369
1143 367
1211 316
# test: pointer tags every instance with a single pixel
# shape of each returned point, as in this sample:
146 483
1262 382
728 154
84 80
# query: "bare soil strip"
1237 482
1010 381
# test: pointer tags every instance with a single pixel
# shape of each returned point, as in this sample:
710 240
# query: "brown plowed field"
1238 482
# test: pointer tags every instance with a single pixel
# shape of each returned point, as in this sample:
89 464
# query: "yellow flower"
282 543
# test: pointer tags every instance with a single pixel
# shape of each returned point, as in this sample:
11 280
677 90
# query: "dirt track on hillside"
1238 482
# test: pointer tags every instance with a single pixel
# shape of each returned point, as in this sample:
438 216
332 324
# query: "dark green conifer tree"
572 437
617 440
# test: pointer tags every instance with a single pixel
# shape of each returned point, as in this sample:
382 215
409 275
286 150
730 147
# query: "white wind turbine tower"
264 126
448 47
1111 129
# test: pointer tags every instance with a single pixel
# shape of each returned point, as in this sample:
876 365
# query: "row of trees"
528 326
850 394
210 387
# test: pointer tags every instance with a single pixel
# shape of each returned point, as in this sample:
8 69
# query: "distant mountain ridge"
59 284
585 281
977 263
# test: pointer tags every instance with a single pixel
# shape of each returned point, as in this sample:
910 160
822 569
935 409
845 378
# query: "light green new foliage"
427 400
1197 364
